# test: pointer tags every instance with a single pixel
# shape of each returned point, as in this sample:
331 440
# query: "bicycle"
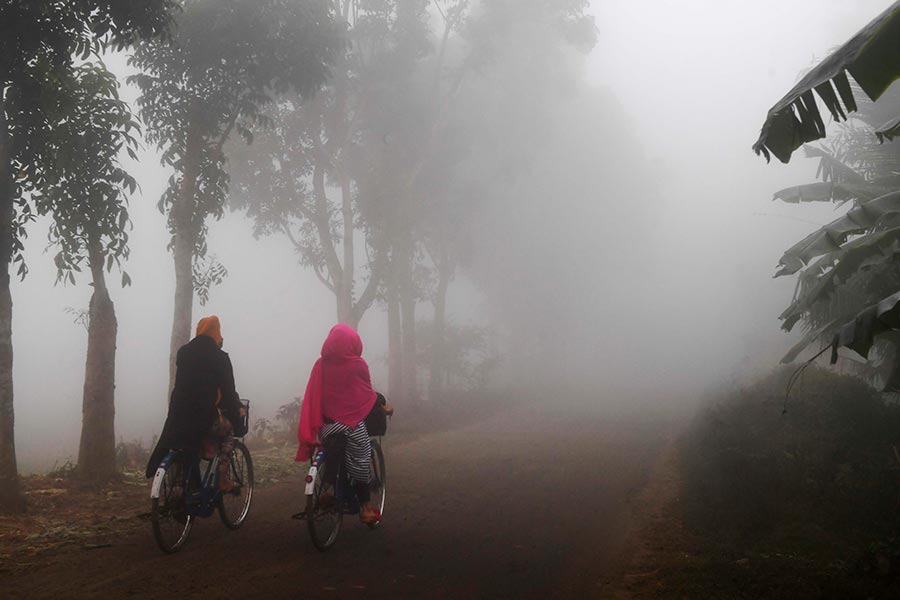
184 490
323 520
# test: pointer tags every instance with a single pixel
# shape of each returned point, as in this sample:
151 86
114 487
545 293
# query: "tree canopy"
43 45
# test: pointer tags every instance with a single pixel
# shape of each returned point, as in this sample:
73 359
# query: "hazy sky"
698 77
695 77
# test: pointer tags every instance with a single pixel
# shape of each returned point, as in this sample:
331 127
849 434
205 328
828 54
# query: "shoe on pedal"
226 486
326 500
369 515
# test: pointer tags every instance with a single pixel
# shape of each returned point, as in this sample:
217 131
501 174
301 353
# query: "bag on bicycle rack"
376 420
242 423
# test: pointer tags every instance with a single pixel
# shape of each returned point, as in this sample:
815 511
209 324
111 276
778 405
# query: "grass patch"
802 504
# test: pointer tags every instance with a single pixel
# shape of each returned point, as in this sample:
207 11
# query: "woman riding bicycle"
204 404
338 397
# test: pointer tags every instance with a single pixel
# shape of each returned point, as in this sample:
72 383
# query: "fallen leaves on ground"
65 513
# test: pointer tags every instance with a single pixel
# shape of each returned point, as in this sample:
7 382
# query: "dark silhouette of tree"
86 196
39 40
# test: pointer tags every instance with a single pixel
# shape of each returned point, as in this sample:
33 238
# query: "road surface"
528 503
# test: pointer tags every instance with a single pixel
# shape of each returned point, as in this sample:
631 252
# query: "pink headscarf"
339 388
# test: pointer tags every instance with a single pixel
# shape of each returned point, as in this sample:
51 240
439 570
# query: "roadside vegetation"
775 504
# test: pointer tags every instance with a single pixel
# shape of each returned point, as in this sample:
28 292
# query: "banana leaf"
831 168
883 361
872 57
874 248
859 334
811 337
826 191
889 131
830 238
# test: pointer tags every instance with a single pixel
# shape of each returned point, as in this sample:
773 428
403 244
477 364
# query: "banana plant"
872 57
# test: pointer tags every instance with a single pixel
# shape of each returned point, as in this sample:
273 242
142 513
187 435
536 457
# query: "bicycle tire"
171 523
323 524
242 473
377 485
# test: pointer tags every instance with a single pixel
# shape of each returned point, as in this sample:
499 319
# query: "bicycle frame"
344 492
204 496
317 460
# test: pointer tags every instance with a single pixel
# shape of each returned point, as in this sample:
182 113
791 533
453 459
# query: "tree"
319 174
215 78
494 87
38 40
281 181
372 157
311 177
86 192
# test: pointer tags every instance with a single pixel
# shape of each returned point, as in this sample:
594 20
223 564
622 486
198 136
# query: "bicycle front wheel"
171 522
234 505
323 512
377 479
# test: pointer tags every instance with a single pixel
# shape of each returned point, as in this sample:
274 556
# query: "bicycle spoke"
234 505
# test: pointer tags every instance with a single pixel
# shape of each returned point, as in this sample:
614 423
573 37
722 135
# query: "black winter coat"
203 370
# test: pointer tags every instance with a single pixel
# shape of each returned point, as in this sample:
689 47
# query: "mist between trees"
398 149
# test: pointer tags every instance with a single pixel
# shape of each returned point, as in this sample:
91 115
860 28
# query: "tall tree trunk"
408 323
11 498
346 314
185 235
409 370
438 359
337 130
395 344
97 451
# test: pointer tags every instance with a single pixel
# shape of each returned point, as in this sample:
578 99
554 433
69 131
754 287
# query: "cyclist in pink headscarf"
338 397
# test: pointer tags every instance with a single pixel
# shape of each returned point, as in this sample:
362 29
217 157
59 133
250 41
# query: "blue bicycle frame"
203 495
344 492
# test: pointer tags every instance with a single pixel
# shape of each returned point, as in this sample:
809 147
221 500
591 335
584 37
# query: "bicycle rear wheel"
323 512
376 485
235 505
171 522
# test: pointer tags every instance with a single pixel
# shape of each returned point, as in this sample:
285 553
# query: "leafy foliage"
336 167
381 155
847 270
796 505
38 42
289 414
208 272
215 77
85 188
82 316
872 57
467 361
752 469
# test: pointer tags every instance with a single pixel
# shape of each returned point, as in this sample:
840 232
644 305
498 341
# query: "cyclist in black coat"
204 405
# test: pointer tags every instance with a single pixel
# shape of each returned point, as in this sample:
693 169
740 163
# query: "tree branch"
321 218
318 271
369 294
299 247
221 143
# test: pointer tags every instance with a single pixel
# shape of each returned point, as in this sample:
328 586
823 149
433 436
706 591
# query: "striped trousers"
358 454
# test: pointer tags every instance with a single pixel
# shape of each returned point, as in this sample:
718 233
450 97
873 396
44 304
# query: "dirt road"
528 504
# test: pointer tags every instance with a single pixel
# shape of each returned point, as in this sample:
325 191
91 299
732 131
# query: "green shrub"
827 464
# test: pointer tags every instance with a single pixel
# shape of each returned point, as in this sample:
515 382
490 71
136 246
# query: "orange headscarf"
210 326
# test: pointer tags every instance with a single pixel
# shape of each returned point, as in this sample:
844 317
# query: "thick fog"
630 255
